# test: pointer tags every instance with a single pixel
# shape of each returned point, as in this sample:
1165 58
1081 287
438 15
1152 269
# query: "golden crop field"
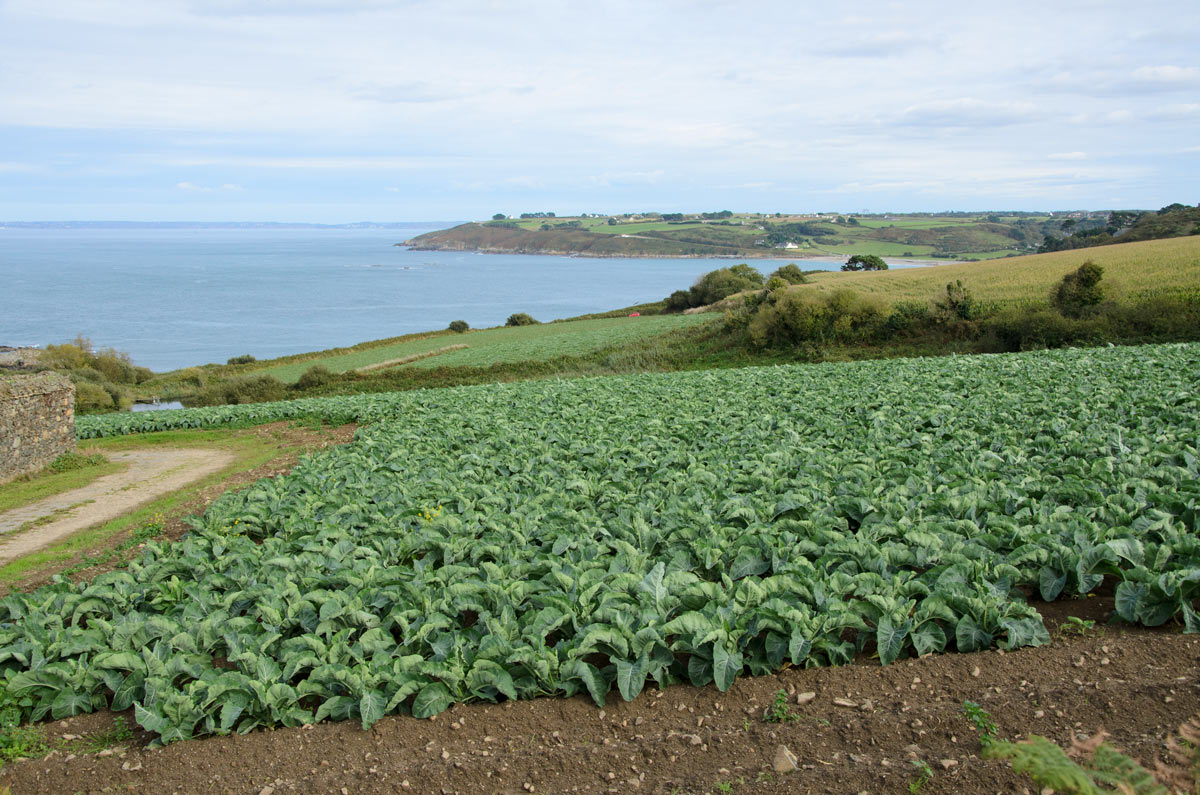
1130 269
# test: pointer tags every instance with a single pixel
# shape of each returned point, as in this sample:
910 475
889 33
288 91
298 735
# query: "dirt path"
151 474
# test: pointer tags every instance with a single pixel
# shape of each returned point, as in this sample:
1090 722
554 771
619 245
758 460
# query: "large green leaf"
432 699
727 665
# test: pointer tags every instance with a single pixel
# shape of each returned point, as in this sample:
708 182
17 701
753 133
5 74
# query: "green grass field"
502 345
1130 270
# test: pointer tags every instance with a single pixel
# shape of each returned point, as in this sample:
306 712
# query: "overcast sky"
346 110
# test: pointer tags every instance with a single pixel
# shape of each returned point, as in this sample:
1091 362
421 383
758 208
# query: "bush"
678 301
908 316
246 389
958 304
791 274
777 283
1079 290
92 398
245 358
459 326
520 319
315 376
815 318
724 282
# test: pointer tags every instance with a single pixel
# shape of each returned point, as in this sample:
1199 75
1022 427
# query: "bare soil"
1138 684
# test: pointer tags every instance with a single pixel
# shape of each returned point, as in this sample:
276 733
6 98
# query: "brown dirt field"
1138 684
293 441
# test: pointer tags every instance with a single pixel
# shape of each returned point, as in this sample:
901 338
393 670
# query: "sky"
336 111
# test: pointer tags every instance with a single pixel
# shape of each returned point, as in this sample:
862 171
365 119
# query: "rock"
975 672
267 791
138 766
694 739
106 752
845 702
1041 713
948 763
785 761
867 706
806 697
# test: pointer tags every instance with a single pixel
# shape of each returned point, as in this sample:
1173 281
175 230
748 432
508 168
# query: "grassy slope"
501 345
1130 270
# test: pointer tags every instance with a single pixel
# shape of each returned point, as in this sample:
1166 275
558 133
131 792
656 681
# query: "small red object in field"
635 314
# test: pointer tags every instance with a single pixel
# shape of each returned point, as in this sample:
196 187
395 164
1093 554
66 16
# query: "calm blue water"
180 297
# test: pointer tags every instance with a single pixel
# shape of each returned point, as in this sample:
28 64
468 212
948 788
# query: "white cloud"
1066 156
1169 75
191 187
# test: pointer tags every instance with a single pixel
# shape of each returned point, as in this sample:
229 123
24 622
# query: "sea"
178 297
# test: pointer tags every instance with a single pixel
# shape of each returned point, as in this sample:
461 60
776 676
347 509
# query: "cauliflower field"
555 537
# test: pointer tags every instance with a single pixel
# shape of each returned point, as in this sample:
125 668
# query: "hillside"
1131 270
954 236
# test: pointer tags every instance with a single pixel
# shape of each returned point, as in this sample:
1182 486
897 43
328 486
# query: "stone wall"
37 422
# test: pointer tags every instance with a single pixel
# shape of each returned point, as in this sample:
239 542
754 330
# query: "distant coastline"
218 225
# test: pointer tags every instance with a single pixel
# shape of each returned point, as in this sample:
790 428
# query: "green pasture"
501 345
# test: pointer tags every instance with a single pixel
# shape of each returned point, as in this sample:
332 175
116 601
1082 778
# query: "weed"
147 532
779 712
118 734
724 786
17 741
982 720
1074 625
924 776
745 724
72 461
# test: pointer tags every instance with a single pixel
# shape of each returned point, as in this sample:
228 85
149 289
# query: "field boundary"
414 357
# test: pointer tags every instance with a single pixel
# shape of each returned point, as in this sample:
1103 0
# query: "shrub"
777 283
92 398
315 376
803 317
958 304
246 389
245 358
908 316
791 274
1079 290
677 301
520 319
724 282
459 326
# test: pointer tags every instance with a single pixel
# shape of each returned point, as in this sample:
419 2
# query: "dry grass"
412 358
1130 269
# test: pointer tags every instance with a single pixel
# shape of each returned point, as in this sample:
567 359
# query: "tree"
612 221
865 262
1079 291
459 326
499 217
